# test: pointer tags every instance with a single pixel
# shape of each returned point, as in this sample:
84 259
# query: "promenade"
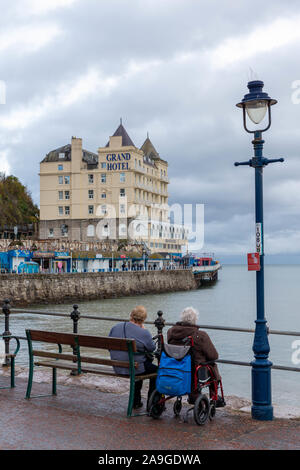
88 419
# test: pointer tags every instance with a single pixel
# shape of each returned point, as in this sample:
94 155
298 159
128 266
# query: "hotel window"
122 208
64 230
91 194
67 179
67 194
122 177
91 210
103 195
103 209
60 180
103 165
67 210
61 156
122 192
60 167
60 210
60 194
122 229
51 232
91 231
103 178
91 179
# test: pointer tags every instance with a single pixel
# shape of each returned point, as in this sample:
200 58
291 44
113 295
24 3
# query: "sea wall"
22 289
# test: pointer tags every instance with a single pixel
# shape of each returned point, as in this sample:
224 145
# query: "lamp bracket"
257 162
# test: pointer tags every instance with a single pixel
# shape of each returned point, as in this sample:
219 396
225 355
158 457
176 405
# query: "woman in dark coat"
204 349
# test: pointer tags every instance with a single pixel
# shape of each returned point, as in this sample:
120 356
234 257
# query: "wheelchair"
205 397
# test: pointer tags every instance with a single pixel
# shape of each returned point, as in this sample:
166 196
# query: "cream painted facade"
119 193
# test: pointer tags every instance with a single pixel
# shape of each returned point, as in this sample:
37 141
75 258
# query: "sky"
175 69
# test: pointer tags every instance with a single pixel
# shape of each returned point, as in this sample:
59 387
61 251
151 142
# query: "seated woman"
204 349
135 329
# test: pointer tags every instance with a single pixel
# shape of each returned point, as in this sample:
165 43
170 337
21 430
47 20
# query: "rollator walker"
179 376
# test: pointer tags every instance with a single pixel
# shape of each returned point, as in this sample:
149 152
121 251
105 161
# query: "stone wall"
22 289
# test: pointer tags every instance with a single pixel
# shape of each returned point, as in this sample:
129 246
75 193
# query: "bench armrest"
17 341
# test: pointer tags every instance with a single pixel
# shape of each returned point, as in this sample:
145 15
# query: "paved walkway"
80 418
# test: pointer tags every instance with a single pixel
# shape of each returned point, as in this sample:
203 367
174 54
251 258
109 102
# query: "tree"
16 205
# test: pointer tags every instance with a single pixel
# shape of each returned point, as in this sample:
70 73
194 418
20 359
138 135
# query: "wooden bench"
82 363
12 358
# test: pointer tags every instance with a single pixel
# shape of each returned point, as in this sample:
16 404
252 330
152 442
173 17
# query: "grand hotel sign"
117 161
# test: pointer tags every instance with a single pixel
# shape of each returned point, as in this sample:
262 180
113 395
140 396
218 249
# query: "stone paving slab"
85 419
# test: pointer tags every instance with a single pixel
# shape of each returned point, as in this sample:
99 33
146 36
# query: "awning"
43 254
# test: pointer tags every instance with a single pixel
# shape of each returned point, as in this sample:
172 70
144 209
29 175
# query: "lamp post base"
262 413
262 408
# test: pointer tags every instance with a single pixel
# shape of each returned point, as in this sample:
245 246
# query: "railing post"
75 315
159 324
6 312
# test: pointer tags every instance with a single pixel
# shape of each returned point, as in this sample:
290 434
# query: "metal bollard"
6 313
159 324
75 315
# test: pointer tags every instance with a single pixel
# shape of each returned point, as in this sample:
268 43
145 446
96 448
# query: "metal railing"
159 324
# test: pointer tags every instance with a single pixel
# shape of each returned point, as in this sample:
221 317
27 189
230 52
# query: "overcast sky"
174 68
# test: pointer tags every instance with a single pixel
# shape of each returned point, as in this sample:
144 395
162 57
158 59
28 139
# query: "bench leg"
30 377
131 397
12 373
54 381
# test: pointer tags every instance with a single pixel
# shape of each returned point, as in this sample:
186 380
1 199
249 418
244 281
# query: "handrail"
204 327
159 323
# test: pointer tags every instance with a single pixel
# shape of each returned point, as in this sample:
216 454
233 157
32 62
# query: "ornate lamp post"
256 104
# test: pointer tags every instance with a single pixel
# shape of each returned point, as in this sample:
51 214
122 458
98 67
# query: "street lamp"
256 104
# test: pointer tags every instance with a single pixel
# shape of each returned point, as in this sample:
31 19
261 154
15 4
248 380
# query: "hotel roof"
63 154
121 132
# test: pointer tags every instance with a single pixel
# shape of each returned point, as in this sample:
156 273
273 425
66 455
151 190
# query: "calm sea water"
230 302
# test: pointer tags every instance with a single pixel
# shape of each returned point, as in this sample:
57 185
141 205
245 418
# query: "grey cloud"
187 106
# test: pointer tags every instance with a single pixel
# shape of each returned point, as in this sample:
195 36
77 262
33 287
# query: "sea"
231 301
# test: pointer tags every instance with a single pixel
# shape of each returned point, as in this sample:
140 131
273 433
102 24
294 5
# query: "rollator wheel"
201 409
212 411
177 407
156 408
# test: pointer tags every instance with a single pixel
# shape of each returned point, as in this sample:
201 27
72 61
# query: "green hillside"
16 205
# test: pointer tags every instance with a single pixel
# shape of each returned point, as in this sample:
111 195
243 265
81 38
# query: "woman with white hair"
204 349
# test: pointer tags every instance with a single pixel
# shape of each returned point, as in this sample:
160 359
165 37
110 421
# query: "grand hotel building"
119 193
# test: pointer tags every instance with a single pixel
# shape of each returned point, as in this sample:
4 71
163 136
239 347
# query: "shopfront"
16 257
44 259
62 262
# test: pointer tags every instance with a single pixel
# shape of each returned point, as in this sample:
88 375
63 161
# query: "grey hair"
189 315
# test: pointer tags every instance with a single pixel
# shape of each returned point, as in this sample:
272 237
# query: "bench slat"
93 370
53 337
90 360
103 342
68 366
100 342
